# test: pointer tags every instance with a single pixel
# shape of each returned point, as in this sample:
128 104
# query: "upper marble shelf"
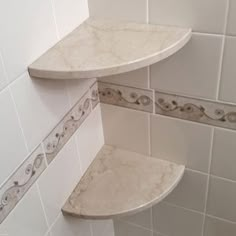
101 48
120 182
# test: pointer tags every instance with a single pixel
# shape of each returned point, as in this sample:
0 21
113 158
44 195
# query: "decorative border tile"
198 110
67 127
124 96
94 95
19 183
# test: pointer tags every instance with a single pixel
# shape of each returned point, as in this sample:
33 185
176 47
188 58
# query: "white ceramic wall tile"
223 155
194 69
216 227
174 221
70 226
12 147
191 191
34 34
20 181
3 78
231 26
137 78
132 10
70 14
41 104
221 199
67 165
228 82
77 88
144 219
125 128
27 219
181 141
125 229
90 138
202 15
102 228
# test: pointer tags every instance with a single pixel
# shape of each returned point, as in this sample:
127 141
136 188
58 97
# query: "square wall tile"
191 191
143 219
174 221
34 34
132 10
89 138
181 142
12 147
217 227
231 26
67 165
3 77
41 104
70 14
125 128
194 69
137 78
27 219
221 199
228 82
125 229
223 154
190 13
70 226
102 228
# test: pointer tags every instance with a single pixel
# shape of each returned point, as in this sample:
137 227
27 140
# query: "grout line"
54 17
222 52
208 180
221 219
134 224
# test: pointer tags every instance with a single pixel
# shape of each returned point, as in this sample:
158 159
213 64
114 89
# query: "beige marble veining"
120 182
100 48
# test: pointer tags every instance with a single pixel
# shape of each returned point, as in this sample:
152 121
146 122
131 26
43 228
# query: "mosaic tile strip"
129 97
198 110
19 183
67 127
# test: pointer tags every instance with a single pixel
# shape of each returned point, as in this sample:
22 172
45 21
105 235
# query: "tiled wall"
197 127
33 188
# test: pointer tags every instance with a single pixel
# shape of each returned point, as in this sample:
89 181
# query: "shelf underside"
101 48
120 182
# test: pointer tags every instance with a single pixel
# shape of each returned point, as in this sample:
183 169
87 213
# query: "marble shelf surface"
120 182
100 48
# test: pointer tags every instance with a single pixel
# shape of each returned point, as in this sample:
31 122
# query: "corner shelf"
101 48
120 182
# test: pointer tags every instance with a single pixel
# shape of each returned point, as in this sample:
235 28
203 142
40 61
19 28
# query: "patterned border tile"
124 96
67 127
94 95
19 183
198 110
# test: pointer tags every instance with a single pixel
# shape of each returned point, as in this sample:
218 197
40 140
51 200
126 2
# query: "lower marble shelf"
120 182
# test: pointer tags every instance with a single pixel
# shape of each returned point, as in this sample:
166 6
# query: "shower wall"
187 127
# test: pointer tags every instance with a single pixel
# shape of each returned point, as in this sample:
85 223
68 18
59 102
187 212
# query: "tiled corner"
228 83
67 127
136 78
223 154
194 69
27 219
202 111
181 141
131 10
129 97
19 183
70 226
190 13
78 12
174 221
125 229
125 128
191 191
221 199
66 164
